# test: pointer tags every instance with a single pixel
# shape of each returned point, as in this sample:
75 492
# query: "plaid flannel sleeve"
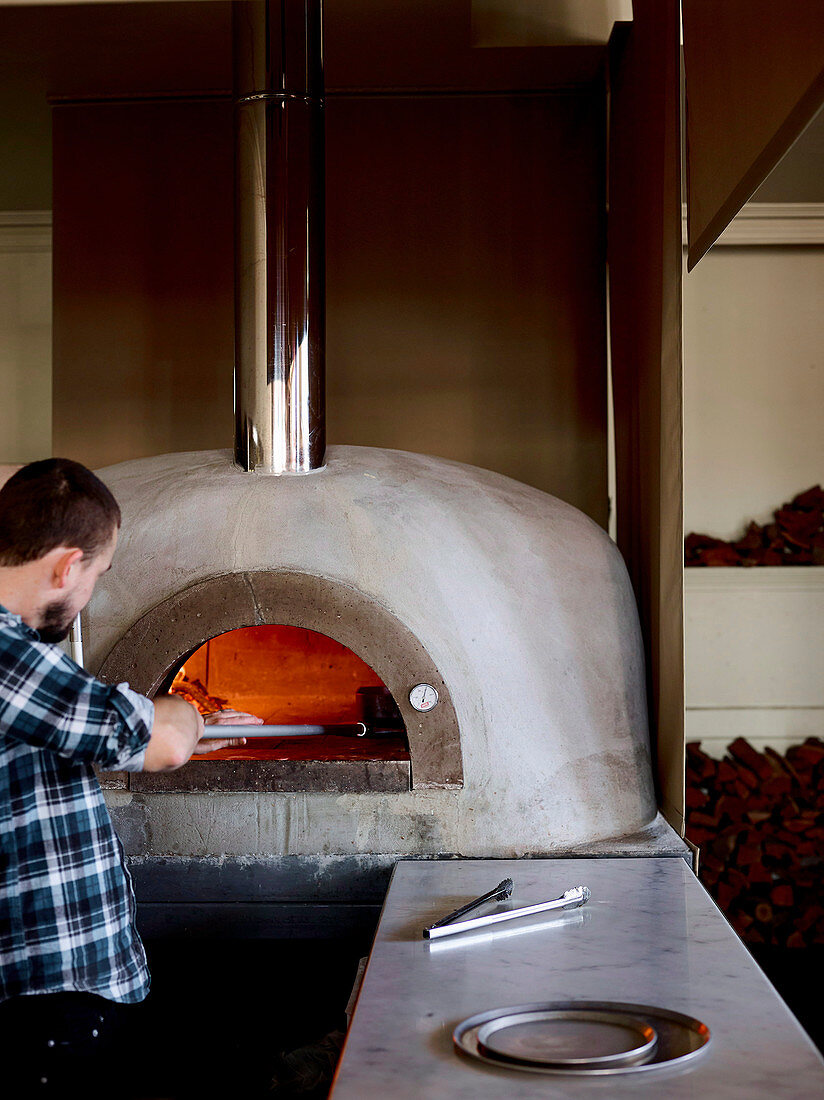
49 702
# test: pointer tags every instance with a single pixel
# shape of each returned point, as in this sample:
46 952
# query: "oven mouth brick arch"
160 641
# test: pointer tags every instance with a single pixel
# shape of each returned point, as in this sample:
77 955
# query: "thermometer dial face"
423 697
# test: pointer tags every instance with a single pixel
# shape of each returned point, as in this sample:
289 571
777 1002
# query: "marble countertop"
650 935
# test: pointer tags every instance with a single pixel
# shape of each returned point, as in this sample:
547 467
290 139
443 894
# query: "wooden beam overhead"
754 79
644 257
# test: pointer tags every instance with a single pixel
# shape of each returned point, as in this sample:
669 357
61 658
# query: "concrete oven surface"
521 602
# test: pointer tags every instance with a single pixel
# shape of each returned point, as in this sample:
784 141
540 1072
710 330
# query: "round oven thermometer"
423 697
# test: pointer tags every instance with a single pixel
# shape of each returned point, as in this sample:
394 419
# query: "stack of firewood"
195 693
796 537
758 819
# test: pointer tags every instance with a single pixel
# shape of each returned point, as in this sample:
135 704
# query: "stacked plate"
581 1037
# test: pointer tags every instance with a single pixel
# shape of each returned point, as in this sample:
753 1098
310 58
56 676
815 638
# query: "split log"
796 537
758 819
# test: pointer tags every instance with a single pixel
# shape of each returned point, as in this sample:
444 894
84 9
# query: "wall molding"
25 231
755 578
757 223
771 223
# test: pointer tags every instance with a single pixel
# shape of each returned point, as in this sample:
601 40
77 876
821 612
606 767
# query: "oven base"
307 897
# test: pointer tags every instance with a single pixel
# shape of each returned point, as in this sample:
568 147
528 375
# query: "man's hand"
231 717
225 718
178 729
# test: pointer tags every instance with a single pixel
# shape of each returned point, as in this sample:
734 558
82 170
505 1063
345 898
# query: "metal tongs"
450 924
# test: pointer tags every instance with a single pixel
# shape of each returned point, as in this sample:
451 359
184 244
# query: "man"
67 929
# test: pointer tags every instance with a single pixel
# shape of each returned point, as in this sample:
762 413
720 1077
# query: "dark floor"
798 975
220 1011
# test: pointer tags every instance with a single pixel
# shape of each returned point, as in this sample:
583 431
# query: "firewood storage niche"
295 649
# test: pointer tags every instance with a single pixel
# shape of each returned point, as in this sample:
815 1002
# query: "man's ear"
64 566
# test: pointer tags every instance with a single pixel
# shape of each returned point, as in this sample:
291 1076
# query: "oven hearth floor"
328 747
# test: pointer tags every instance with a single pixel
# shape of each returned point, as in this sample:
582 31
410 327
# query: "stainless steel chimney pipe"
280 423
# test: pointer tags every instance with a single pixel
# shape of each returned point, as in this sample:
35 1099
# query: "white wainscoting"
754 655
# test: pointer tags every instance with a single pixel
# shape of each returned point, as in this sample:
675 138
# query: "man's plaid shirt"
66 901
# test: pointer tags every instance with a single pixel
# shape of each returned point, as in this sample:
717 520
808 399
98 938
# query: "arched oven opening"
318 698
295 649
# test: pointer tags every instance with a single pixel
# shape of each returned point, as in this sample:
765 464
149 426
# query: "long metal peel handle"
216 731
570 899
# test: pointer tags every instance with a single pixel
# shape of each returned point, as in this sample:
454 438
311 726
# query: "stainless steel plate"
680 1038
565 1038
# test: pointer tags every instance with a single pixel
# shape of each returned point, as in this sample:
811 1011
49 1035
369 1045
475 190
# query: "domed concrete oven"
513 604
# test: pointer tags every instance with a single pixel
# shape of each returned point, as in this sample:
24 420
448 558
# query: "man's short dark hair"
55 502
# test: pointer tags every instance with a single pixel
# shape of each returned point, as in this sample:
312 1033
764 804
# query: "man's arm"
48 702
176 729
176 733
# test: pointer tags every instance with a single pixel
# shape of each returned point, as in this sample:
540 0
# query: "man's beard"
57 622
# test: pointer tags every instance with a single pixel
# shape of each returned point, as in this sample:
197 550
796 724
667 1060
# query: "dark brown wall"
465 281
143 314
465 311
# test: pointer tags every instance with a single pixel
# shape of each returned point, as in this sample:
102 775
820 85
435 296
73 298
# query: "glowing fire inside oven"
291 676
